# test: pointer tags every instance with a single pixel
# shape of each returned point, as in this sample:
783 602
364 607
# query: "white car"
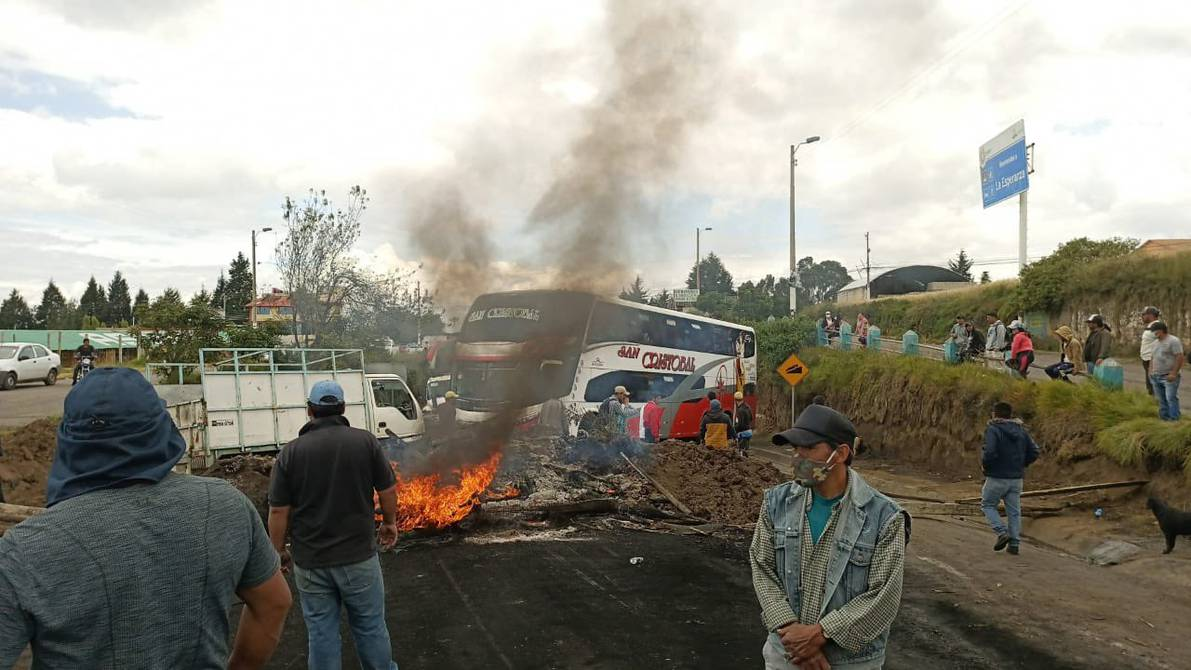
22 362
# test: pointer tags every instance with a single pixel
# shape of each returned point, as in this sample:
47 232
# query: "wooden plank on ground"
1069 489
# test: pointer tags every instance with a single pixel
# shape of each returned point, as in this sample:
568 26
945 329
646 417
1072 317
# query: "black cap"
1150 309
818 423
1159 326
1096 319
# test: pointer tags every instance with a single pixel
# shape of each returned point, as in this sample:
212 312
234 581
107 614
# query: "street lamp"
698 258
796 280
254 231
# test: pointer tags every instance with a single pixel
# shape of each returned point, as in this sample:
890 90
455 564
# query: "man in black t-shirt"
321 494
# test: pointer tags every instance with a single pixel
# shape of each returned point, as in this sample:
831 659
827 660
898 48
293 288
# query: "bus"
523 351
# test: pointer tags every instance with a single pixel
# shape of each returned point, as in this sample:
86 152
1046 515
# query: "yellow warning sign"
793 370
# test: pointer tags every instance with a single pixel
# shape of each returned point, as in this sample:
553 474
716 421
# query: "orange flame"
425 502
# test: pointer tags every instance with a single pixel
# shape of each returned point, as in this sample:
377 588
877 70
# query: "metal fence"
848 341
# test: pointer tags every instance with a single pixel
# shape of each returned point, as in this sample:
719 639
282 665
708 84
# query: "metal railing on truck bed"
254 400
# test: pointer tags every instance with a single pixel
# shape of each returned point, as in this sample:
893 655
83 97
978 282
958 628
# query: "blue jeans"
1009 490
360 588
1167 393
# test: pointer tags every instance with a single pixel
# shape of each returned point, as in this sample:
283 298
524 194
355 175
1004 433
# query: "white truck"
237 401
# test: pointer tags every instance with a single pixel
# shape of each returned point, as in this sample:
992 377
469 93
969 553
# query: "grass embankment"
933 413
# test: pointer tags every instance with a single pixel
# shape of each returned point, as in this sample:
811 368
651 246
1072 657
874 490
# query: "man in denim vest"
827 555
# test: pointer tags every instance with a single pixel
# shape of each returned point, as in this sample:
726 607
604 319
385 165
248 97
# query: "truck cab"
394 408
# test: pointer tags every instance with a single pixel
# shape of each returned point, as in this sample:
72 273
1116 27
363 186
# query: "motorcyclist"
85 350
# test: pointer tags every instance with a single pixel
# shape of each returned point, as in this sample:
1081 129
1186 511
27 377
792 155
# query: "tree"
94 301
635 292
238 289
961 264
201 299
713 276
1043 282
821 282
662 299
119 301
140 306
52 312
315 261
219 295
91 323
985 278
168 298
15 313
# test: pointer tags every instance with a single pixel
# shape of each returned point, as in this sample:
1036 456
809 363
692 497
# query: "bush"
779 338
1046 283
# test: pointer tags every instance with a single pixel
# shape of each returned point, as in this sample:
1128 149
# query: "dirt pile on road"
716 484
25 466
250 474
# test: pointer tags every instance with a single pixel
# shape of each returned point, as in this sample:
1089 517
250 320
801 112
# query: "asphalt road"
29 402
690 604
1134 377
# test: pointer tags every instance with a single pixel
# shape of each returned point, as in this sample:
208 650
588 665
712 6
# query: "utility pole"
698 260
255 295
868 270
1021 230
795 279
419 308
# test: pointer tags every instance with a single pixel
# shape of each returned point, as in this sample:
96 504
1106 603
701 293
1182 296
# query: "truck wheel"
7 383
52 378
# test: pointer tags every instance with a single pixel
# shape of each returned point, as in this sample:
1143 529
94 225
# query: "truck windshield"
392 393
7 352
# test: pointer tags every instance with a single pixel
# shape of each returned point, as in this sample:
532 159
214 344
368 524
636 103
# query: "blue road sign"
1004 174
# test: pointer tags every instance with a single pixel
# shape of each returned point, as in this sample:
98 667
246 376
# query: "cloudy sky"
151 137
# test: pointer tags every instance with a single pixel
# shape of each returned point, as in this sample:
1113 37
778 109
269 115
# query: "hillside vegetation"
933 413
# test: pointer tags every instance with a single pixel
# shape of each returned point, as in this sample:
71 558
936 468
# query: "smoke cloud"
454 242
660 87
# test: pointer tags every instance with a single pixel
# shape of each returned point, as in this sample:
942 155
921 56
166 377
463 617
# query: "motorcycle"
85 366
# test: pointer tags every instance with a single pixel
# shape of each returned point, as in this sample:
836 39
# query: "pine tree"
201 299
985 278
52 312
636 291
168 298
239 288
962 264
219 295
140 306
713 276
94 301
15 312
119 301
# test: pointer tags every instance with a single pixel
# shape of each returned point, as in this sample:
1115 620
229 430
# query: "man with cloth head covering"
133 565
827 554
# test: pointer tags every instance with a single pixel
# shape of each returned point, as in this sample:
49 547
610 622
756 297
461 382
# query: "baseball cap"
818 423
326 392
1150 309
1096 319
1159 325
619 390
738 395
450 395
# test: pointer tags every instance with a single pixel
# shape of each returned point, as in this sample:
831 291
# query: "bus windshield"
526 315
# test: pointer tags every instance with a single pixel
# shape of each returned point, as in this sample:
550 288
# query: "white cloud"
235 105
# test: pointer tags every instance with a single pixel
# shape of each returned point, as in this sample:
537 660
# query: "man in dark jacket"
714 418
1099 344
1008 449
84 350
744 424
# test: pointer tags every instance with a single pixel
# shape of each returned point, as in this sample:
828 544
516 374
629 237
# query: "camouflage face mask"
808 472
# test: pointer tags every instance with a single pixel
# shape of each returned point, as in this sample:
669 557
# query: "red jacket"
652 416
1021 342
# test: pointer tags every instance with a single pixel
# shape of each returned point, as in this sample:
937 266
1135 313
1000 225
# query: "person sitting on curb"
1021 356
827 554
1008 450
134 565
1070 356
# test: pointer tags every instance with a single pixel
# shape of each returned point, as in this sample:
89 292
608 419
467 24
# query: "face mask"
809 473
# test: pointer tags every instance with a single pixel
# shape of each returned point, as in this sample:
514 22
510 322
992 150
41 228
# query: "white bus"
518 351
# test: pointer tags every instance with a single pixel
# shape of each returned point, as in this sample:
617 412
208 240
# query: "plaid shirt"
853 625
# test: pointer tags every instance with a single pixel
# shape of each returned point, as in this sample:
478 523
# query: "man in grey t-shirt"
1165 371
133 566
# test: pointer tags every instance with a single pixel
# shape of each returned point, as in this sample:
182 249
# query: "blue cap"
326 392
715 404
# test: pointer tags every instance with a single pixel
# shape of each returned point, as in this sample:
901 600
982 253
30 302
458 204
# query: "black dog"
1173 522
